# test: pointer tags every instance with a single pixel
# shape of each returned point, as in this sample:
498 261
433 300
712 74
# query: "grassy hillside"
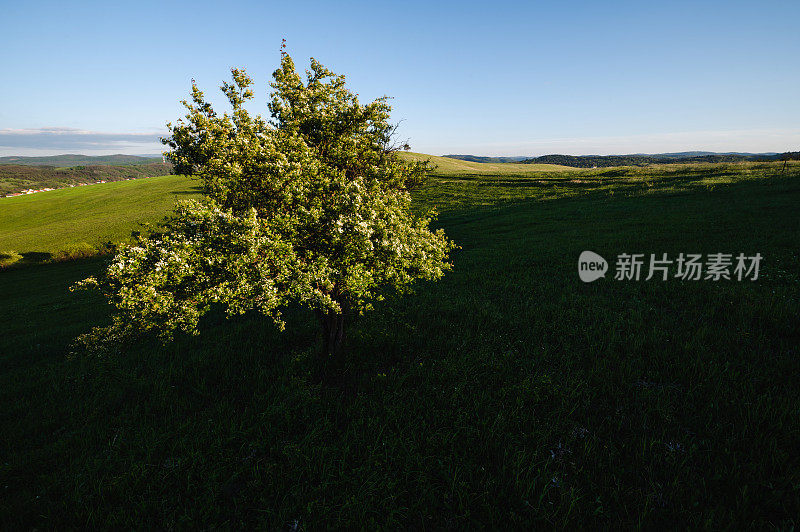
17 177
507 395
76 160
38 226
484 159
34 227
468 190
449 166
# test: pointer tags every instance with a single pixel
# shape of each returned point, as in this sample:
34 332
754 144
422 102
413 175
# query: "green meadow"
507 395
37 227
448 165
75 222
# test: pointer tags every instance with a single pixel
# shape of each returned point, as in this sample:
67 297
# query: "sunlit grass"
78 220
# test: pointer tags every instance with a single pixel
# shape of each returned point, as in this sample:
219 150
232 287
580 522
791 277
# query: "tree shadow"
24 259
191 192
35 256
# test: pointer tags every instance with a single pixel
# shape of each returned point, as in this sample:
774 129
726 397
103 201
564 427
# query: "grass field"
449 166
75 221
507 395
37 226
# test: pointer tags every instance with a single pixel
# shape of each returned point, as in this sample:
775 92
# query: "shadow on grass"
35 257
193 191
454 194
9 260
82 251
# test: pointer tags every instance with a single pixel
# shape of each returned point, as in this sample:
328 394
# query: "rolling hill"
482 159
17 177
75 221
636 159
448 165
36 227
70 159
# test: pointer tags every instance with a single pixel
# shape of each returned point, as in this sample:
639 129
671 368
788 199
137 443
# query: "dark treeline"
18 177
603 161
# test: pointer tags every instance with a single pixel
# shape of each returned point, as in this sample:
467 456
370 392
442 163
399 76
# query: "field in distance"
450 166
15 178
74 221
70 159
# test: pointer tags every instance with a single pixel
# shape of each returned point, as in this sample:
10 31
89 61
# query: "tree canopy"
311 206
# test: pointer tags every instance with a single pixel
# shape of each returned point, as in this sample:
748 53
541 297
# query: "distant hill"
70 159
18 177
480 159
451 166
602 161
635 159
690 154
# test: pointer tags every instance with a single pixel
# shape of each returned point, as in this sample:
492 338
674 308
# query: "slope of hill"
448 165
35 227
482 159
18 177
605 161
70 159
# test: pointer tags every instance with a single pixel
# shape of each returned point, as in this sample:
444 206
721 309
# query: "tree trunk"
332 332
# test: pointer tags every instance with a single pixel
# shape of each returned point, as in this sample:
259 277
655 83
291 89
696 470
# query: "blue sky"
488 78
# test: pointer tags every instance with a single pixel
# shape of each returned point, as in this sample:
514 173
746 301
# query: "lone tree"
310 207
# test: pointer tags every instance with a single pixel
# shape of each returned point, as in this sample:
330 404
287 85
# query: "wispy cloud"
57 140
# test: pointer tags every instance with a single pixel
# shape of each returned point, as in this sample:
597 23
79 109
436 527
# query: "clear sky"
486 78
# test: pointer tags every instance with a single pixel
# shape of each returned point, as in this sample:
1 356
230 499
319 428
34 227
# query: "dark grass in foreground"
507 394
